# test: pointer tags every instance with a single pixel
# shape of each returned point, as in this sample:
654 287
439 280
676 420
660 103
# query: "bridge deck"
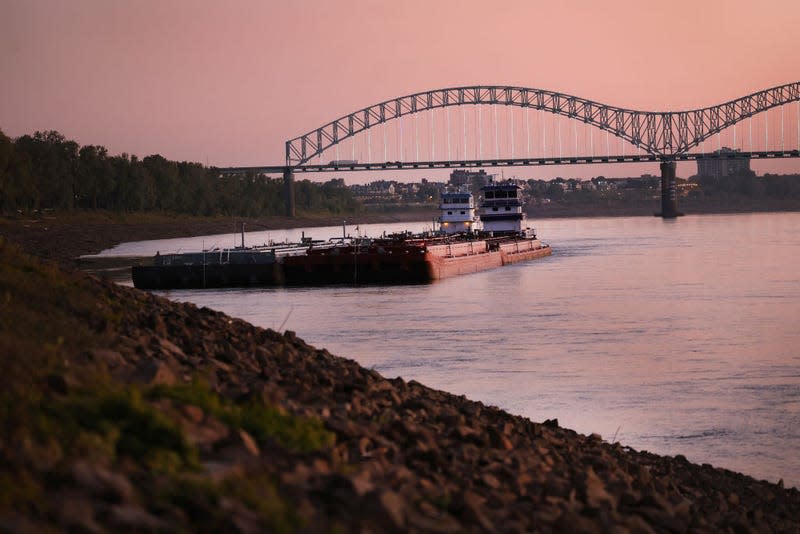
516 162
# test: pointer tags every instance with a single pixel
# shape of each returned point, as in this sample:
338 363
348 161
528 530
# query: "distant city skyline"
228 84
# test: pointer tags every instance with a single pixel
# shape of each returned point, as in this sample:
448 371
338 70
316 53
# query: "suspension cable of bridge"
558 122
447 110
528 131
496 142
433 136
480 134
766 130
575 135
512 130
544 134
464 128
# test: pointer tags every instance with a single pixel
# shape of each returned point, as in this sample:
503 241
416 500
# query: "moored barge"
466 242
210 268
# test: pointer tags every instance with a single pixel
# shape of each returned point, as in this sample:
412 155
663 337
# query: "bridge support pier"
669 192
288 187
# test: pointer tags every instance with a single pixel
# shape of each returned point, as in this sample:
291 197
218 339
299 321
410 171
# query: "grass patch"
262 421
121 423
45 314
202 501
260 494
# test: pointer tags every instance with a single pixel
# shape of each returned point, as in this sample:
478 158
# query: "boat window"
500 194
449 212
490 194
494 208
508 209
512 194
463 212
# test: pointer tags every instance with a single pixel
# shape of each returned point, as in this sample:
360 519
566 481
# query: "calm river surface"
677 337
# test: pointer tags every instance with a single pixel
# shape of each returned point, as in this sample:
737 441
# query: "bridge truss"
662 135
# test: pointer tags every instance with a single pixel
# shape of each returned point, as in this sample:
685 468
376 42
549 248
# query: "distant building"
460 177
724 165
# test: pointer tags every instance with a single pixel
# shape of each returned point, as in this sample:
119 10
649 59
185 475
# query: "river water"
676 337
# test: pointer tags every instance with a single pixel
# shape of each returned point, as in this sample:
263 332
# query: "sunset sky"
227 83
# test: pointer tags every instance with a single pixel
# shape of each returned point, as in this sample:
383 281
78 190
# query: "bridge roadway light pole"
669 191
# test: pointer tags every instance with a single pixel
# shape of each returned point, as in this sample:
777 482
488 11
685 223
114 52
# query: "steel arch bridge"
665 134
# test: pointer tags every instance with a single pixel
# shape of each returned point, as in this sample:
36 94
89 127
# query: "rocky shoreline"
123 411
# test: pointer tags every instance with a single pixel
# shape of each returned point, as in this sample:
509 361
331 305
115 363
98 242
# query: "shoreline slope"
125 411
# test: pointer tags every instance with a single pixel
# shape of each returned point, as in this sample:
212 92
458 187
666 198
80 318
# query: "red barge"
406 259
468 241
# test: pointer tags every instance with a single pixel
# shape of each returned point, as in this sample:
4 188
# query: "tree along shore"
47 172
126 411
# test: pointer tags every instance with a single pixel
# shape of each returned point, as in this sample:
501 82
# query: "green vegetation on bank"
47 171
262 422
66 418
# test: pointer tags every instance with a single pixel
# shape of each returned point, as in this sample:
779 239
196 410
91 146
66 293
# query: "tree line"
47 171
774 186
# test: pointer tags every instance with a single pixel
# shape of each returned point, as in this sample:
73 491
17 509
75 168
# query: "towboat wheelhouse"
501 210
457 212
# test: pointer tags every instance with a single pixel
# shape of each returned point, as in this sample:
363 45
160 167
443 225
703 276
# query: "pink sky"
227 83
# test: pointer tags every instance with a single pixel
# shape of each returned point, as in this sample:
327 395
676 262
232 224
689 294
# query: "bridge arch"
664 134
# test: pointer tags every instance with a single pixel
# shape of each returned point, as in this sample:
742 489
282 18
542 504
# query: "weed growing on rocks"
263 421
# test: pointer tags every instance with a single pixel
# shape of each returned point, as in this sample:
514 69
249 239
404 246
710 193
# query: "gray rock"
154 372
394 507
135 518
102 482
